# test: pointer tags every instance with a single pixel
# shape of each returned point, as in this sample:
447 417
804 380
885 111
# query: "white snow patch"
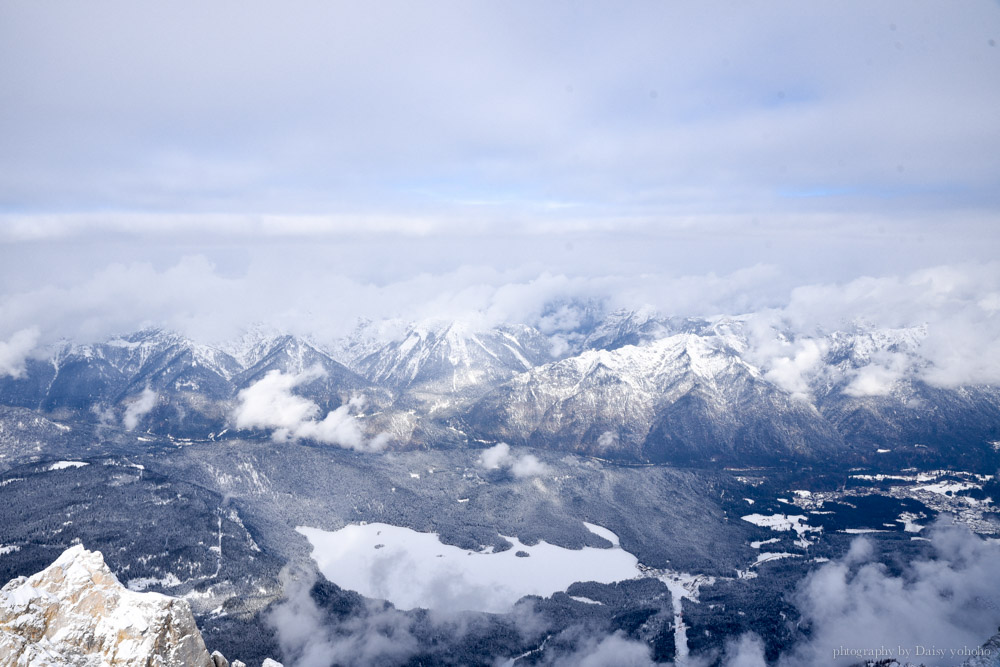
943 488
579 598
758 545
142 583
766 557
600 531
862 531
63 465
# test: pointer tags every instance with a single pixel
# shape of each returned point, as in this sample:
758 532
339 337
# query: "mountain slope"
684 397
443 365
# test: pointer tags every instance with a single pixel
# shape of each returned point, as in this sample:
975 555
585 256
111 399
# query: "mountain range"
633 386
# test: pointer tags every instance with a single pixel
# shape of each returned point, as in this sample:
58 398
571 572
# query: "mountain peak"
76 612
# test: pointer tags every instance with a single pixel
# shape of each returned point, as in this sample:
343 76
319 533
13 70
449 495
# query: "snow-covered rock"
76 612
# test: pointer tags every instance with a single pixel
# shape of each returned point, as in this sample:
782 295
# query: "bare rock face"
76 612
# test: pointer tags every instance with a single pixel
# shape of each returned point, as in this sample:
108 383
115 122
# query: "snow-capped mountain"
638 327
684 397
161 382
76 612
448 362
642 387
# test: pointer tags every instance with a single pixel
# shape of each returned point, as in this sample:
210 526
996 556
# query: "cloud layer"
487 114
270 404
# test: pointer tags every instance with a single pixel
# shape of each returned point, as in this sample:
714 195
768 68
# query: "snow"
142 583
413 569
584 600
944 488
766 557
758 545
779 522
62 465
603 532
683 585
784 522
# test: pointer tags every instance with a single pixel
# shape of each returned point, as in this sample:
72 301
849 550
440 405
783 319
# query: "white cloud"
745 651
528 465
614 650
879 377
495 457
307 638
499 457
270 404
139 407
946 601
15 351
607 439
794 372
514 108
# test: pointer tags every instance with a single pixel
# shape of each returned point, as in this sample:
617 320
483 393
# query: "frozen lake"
412 569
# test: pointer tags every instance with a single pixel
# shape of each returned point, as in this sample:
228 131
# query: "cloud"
518 111
607 440
612 650
498 457
938 325
270 404
794 367
947 601
379 636
15 351
138 408
204 296
745 651
879 377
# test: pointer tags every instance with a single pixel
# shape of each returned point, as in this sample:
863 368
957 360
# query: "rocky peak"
76 612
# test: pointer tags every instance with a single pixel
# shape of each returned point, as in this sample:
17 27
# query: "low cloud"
498 457
745 651
14 352
879 377
381 636
947 601
139 407
794 371
607 440
270 404
614 650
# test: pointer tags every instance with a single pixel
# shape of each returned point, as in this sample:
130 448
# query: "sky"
203 166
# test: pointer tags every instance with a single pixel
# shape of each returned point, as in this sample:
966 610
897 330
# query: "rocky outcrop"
76 612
